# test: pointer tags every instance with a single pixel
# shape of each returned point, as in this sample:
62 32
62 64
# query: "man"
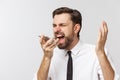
88 62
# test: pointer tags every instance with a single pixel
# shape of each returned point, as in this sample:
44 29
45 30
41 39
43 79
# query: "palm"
102 37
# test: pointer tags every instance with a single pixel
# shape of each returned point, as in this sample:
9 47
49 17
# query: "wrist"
47 58
100 53
48 55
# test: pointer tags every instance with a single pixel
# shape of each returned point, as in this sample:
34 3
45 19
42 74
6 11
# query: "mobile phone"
46 38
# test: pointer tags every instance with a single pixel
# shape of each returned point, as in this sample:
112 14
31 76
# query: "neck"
72 45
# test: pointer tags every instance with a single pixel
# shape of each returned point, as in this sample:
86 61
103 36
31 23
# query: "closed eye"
62 25
54 25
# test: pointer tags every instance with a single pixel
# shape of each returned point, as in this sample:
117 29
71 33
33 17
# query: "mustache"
59 33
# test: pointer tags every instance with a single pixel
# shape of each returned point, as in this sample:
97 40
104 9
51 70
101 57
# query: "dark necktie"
69 67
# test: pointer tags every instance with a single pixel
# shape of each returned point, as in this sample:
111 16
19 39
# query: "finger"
41 39
48 43
46 38
55 43
99 35
105 32
102 31
105 28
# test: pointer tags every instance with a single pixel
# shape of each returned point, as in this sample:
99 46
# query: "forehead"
62 18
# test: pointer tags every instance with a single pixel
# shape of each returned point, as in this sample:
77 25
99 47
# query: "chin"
62 46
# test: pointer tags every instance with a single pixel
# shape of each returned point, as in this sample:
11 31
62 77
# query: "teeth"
60 37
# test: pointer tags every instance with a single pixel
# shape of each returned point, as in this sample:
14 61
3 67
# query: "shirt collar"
75 50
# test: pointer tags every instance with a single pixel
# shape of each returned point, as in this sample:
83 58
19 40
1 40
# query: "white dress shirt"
85 64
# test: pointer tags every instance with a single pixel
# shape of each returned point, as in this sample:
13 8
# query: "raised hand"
48 44
102 37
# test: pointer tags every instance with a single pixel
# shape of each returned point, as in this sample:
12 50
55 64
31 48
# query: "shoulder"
91 47
88 46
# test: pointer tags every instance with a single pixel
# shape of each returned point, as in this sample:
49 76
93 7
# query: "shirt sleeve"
100 75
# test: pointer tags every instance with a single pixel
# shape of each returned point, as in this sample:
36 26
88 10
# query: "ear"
77 28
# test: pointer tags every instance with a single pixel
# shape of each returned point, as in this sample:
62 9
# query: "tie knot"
69 53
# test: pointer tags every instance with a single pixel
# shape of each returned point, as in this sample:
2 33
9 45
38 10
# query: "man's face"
63 29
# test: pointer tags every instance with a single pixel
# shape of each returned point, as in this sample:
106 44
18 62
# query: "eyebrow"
60 23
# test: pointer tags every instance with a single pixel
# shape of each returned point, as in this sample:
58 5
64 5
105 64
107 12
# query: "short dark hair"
75 15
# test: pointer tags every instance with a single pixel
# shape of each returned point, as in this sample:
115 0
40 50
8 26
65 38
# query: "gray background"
21 21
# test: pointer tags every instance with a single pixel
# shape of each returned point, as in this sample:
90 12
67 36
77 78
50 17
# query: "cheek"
68 32
54 29
65 30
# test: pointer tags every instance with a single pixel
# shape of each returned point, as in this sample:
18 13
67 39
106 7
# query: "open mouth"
60 36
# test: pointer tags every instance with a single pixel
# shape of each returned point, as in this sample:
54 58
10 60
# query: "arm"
47 46
107 70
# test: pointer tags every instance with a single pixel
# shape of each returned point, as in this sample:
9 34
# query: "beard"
67 42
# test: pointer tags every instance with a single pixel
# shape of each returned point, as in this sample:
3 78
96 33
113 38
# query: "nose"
57 29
